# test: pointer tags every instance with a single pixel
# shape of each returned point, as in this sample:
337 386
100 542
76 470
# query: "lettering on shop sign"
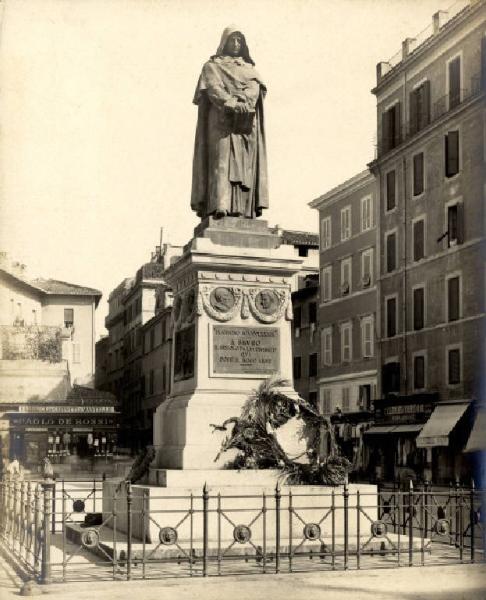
65 409
34 420
245 350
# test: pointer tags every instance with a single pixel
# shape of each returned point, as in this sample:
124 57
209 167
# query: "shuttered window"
326 283
390 190
345 394
297 367
367 267
345 276
418 174
455 227
453 298
420 107
418 240
391 317
419 372
452 153
326 347
391 252
76 353
345 223
367 337
454 82
391 126
366 213
454 366
325 233
313 365
346 350
68 317
418 308
326 408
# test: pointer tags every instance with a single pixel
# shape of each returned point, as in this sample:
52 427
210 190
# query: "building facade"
48 406
430 171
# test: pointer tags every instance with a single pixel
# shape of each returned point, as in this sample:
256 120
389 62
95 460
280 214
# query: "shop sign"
30 408
61 421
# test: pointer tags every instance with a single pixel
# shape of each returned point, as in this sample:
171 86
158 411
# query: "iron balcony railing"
439 108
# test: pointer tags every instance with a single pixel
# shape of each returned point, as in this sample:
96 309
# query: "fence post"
54 507
47 487
410 524
471 518
129 530
205 498
277 527
346 521
21 532
28 537
36 527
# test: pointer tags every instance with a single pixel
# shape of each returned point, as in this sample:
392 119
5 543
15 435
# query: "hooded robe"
229 175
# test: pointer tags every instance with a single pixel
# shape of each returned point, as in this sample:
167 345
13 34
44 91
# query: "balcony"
31 342
439 109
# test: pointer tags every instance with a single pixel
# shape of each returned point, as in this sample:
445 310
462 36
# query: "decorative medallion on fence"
442 527
379 529
168 536
242 534
78 506
312 531
90 538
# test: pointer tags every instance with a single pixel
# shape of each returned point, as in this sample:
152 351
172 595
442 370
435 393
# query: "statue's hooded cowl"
230 166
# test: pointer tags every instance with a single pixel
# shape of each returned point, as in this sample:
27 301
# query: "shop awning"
477 439
408 428
378 429
441 422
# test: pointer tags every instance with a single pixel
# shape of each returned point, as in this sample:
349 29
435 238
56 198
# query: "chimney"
438 20
407 47
382 68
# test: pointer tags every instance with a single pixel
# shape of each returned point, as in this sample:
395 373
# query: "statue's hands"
240 108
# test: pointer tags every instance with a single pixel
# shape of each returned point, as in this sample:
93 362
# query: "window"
391 378
326 283
326 408
366 213
313 365
345 223
367 267
391 252
346 350
453 298
76 353
367 337
68 317
455 224
346 276
420 107
325 233
419 372
326 346
418 239
391 125
391 200
152 339
454 366
454 72
297 367
297 320
418 174
418 308
391 317
364 396
451 153
345 398
312 312
151 381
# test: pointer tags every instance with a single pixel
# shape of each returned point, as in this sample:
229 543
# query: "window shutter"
483 62
397 124
384 132
425 106
391 327
413 100
419 373
454 82
418 240
418 308
453 298
452 153
460 223
418 174
390 190
454 366
390 253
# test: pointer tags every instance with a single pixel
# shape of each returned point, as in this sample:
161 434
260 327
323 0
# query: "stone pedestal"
231 330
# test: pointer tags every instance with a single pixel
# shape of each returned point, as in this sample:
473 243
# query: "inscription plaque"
245 350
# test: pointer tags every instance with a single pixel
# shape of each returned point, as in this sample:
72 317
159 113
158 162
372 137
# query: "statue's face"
234 44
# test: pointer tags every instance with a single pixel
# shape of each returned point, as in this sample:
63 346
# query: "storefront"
391 441
80 429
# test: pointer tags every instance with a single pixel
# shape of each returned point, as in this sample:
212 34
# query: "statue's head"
233 43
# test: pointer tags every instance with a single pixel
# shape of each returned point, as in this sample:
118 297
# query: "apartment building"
430 171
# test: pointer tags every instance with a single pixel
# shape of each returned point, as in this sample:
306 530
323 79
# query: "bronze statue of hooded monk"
229 175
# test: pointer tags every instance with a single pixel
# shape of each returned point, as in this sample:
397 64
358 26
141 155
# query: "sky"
97 122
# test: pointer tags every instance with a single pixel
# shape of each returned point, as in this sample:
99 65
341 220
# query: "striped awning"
477 439
404 428
440 424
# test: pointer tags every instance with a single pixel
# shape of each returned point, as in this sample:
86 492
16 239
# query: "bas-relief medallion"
222 299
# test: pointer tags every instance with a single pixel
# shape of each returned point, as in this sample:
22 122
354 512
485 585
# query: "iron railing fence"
82 531
438 109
